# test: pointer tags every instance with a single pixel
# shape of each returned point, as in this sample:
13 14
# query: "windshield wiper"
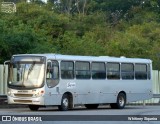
18 86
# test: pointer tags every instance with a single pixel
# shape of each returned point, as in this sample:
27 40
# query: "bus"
39 80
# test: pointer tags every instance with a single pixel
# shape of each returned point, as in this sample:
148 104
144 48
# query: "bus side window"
141 71
82 70
67 70
49 70
113 71
127 71
52 73
98 70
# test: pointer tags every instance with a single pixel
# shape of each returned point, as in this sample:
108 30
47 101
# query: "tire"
121 102
64 103
91 106
33 107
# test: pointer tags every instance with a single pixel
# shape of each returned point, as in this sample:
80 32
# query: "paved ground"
80 115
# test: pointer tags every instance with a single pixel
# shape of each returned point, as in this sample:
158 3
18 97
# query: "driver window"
49 70
52 73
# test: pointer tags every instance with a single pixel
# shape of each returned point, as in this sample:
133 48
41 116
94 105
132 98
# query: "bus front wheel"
33 107
121 102
64 103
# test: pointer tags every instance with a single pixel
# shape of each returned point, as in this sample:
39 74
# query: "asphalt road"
81 115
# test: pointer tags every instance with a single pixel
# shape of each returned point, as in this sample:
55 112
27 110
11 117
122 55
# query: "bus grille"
23 101
23 95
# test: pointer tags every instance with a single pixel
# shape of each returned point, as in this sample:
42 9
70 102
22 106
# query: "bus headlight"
9 93
38 94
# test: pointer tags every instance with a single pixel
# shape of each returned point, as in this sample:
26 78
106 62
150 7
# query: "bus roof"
89 58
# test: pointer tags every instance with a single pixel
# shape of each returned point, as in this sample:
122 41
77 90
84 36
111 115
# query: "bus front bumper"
26 101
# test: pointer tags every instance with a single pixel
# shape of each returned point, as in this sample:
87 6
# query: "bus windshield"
26 74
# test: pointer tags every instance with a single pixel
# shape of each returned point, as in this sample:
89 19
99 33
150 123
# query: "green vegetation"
128 28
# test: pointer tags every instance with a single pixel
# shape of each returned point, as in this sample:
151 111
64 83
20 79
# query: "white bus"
66 80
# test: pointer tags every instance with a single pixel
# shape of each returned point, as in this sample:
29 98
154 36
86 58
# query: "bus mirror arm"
6 63
4 69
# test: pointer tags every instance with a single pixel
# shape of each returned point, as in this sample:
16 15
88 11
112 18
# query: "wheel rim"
65 102
121 101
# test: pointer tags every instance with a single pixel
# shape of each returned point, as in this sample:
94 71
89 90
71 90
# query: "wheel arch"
124 94
70 95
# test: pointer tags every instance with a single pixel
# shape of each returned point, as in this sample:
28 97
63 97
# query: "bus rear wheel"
121 102
91 106
33 107
64 103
